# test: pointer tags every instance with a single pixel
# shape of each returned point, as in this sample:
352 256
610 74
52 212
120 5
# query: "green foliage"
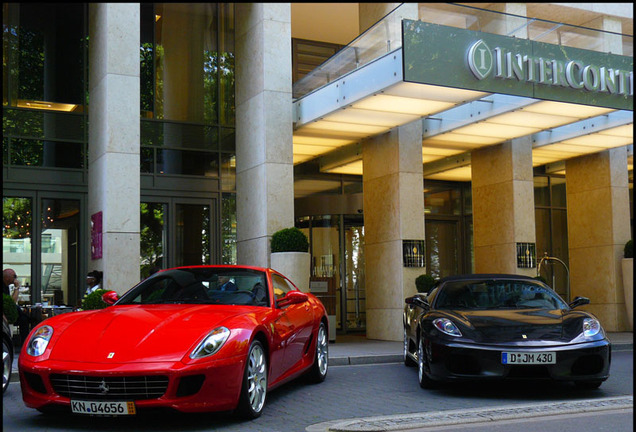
94 300
16 218
424 283
8 308
151 244
629 249
290 240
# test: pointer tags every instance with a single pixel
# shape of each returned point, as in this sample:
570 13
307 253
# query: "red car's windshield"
201 285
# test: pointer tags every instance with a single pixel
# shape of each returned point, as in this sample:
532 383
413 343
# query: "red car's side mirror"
110 297
293 297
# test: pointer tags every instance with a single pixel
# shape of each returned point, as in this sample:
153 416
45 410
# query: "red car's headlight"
39 341
211 344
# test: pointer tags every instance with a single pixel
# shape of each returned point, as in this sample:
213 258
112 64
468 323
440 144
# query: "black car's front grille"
130 388
529 372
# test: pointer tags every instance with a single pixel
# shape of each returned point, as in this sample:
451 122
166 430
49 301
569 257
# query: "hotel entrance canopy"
559 85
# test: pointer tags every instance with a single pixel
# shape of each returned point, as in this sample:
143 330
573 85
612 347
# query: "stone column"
503 206
264 150
598 228
114 139
393 212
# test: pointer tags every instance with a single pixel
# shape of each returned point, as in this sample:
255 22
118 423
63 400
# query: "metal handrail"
567 270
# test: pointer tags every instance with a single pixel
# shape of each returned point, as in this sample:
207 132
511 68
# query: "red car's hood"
149 333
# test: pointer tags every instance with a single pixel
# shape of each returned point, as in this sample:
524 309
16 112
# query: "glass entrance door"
59 251
355 293
178 232
442 248
49 267
337 273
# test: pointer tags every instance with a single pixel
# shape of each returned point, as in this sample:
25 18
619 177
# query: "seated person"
225 284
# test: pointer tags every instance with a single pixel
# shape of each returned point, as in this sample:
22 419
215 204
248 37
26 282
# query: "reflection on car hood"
515 325
150 333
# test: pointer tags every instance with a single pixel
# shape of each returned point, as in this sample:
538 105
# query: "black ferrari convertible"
494 326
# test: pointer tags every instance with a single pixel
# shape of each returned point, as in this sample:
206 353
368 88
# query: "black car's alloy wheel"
406 357
425 381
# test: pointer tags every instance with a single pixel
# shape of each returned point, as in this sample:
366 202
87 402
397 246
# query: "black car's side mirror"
579 301
417 300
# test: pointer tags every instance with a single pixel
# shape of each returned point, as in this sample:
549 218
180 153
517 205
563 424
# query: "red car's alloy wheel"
254 383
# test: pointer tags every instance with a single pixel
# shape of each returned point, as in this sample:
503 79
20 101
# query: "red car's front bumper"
211 386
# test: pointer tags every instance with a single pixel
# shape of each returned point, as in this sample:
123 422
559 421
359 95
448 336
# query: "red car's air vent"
110 387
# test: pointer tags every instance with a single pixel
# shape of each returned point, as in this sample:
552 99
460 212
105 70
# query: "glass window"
228 228
228 172
541 191
557 186
185 62
442 200
26 152
17 229
153 237
44 46
187 81
193 235
281 286
226 65
187 163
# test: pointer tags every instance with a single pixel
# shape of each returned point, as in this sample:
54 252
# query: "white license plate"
528 358
103 408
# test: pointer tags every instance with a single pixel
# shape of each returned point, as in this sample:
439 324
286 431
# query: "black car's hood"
518 325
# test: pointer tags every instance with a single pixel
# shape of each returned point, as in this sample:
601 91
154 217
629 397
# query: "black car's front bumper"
454 361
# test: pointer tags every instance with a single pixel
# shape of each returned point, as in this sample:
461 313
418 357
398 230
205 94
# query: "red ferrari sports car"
204 338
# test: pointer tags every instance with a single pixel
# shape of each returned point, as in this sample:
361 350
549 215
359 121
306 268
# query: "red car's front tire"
254 389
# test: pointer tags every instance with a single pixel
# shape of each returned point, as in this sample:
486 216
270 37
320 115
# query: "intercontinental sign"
445 56
502 64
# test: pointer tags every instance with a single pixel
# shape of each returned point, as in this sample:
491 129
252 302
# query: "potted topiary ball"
290 256
94 300
424 283
628 281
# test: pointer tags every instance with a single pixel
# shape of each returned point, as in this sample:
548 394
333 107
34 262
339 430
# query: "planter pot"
628 288
294 265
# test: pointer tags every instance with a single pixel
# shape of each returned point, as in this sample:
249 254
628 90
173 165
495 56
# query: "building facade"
403 139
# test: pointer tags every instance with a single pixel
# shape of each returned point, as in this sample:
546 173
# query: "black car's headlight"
591 327
446 326
211 344
39 341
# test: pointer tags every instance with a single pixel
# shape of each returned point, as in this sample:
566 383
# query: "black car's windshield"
497 294
201 285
